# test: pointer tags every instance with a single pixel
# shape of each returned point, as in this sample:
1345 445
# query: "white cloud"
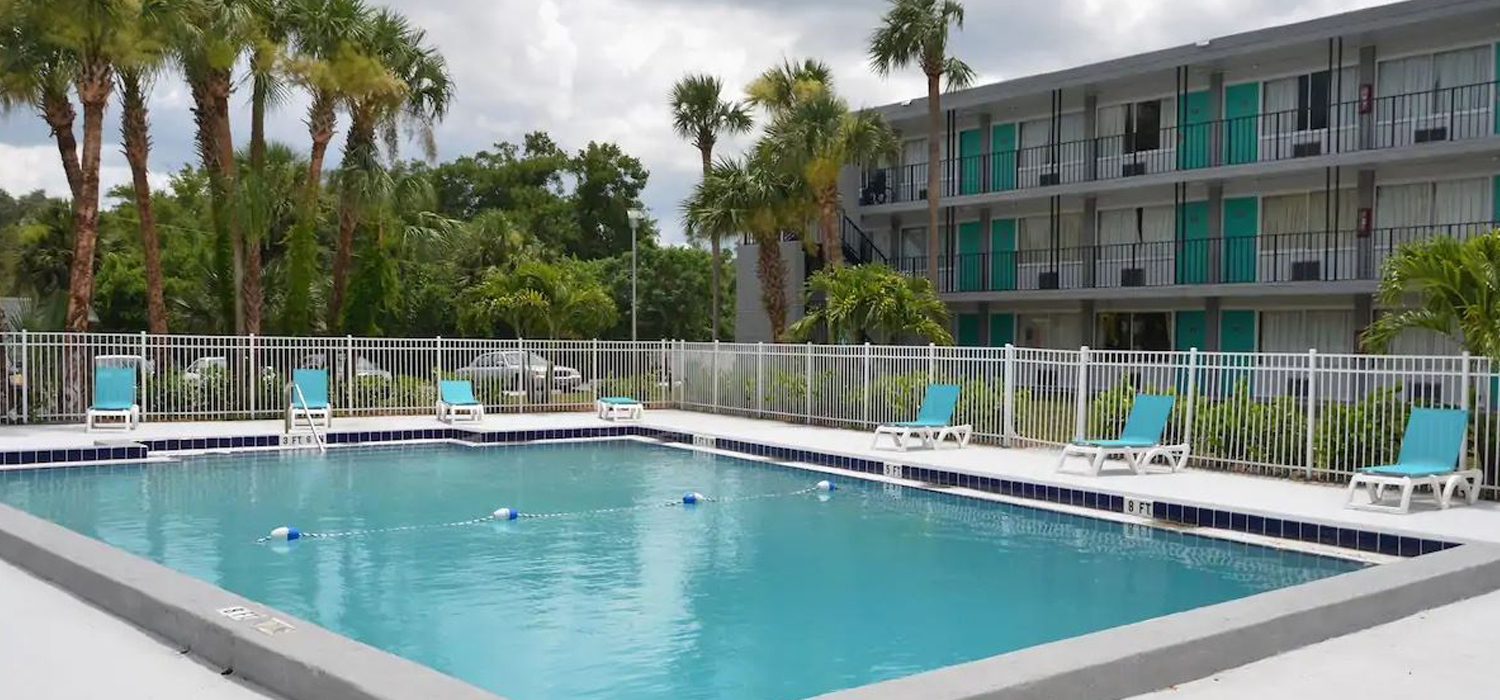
39 167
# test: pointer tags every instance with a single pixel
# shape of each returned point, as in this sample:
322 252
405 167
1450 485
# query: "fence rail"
1310 415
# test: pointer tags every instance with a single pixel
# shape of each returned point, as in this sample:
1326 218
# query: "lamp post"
635 218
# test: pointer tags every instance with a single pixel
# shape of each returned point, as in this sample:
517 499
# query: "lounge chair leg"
1406 490
1097 464
1351 492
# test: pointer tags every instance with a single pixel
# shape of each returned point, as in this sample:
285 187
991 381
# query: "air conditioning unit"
1305 150
1436 133
1049 179
1307 271
1132 169
1133 277
1046 280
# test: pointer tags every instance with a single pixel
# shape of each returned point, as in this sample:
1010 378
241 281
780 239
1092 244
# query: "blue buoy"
506 514
826 486
692 497
285 533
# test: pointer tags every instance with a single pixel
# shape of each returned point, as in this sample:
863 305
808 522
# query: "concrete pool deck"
1308 502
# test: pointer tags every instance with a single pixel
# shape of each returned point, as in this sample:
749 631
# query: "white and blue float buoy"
506 514
826 485
692 497
285 533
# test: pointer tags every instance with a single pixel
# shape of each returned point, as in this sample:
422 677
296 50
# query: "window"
1305 102
1135 331
1143 126
1312 101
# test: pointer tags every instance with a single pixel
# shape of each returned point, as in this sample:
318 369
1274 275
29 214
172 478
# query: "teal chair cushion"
619 400
457 392
937 405
314 386
1434 437
114 388
1147 420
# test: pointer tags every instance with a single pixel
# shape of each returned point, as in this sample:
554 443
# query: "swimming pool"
779 597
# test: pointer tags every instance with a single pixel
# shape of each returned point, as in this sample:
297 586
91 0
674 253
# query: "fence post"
25 376
807 393
438 346
1465 381
145 407
716 377
1192 399
663 365
255 378
349 374
1312 409
865 410
1008 414
931 363
760 380
1080 410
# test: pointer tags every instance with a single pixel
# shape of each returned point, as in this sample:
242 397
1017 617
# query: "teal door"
1193 129
970 262
1236 334
1002 330
1241 123
968 330
970 174
1192 243
1191 330
1241 225
1002 254
1003 163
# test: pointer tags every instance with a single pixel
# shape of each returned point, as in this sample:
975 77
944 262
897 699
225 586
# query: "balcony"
1396 121
1332 256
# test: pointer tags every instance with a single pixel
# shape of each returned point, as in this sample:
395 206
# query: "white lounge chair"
309 398
933 424
114 406
456 400
1429 458
619 408
1139 441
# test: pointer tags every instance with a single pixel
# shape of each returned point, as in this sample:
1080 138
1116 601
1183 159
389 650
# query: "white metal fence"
1305 414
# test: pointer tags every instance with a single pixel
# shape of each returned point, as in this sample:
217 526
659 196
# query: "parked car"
143 366
363 367
205 367
506 366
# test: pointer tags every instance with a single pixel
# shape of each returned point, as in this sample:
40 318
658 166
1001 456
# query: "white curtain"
1283 214
1035 233
1320 217
1159 223
1404 76
1281 95
1461 201
914 152
1424 342
1071 127
1111 126
1070 236
1308 212
1299 331
913 242
1117 227
1462 67
1403 205
1054 331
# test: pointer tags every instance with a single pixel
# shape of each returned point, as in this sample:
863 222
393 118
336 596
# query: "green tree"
872 299
670 298
36 74
608 185
538 299
815 139
915 32
780 87
744 197
700 114
1446 286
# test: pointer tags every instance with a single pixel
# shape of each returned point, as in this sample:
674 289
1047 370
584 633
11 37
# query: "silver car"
507 366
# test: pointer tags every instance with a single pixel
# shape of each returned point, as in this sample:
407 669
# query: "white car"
363 368
205 367
508 365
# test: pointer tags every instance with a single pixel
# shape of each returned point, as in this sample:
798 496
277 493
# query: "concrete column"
984 251
1089 239
1364 244
1212 332
1367 77
1215 232
1086 309
1215 118
984 323
985 153
1364 315
1090 132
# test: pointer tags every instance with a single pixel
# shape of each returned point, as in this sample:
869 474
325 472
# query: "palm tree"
324 63
273 26
815 139
136 73
410 89
779 87
700 114
36 74
916 32
873 298
208 43
1456 286
538 298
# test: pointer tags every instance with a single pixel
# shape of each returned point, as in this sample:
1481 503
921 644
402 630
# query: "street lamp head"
637 216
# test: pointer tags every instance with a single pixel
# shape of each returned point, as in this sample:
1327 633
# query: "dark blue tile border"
1177 513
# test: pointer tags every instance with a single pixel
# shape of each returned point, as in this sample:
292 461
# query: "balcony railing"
1320 256
1432 116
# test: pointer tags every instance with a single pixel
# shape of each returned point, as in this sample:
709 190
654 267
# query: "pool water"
773 598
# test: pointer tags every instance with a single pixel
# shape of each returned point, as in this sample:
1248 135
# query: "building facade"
1238 194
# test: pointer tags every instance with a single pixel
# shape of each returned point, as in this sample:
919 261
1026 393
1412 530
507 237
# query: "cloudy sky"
601 69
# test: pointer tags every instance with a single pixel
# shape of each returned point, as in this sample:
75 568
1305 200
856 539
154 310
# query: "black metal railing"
1395 121
1319 256
858 247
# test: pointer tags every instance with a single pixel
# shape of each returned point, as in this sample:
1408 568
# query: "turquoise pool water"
771 599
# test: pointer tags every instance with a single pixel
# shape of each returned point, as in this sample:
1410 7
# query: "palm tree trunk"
57 111
208 153
706 149
359 152
220 86
94 83
771 270
934 127
828 224
255 233
302 244
135 132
